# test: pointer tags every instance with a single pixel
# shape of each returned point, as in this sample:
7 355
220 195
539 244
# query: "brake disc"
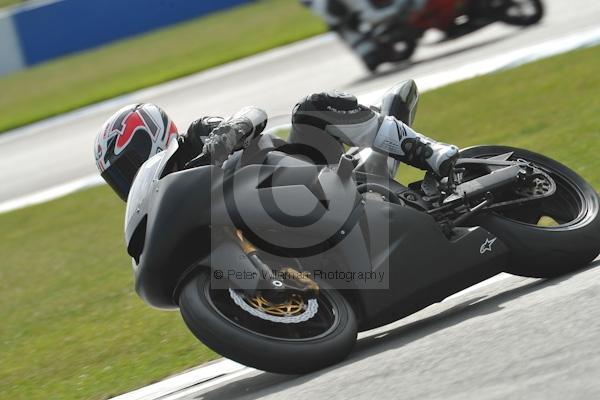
308 311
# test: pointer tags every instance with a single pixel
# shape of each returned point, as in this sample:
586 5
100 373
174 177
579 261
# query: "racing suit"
324 121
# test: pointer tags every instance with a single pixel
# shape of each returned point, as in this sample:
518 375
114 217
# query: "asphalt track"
57 151
509 339
517 338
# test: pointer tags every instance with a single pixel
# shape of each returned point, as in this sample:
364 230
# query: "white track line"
195 379
494 279
52 193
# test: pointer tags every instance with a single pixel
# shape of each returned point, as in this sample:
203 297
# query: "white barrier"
11 58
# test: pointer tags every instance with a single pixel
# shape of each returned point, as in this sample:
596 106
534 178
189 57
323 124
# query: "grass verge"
103 73
72 327
6 3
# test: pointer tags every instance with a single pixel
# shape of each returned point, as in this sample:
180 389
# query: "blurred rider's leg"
374 12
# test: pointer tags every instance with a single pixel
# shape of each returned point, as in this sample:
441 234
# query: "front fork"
275 285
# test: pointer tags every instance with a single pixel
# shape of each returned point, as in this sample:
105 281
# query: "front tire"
546 251
290 348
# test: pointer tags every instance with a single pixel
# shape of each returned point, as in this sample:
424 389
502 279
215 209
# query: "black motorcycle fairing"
167 224
424 265
180 208
420 265
178 237
177 232
181 211
294 197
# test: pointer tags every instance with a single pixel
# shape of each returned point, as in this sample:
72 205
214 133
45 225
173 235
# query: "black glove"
199 130
230 135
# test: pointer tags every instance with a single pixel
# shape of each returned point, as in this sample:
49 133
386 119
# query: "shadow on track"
406 66
265 383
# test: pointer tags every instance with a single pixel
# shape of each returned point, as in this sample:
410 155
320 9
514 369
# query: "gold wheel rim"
293 306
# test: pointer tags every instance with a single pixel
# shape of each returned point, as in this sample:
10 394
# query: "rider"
346 16
137 132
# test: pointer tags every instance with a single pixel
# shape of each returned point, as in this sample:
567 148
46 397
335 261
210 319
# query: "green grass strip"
6 3
103 73
72 326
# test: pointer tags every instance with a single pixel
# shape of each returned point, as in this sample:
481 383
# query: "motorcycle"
391 41
279 257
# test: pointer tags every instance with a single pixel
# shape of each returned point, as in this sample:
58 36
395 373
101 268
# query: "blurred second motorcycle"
382 31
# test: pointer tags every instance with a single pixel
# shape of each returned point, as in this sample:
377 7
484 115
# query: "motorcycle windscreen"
149 172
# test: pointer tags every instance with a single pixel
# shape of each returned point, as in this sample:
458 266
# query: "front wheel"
552 236
294 336
521 12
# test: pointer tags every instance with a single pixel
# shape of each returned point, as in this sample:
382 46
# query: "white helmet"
127 139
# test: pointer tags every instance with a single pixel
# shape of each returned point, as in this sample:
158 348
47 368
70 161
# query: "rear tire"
539 251
522 20
402 50
397 52
373 60
211 322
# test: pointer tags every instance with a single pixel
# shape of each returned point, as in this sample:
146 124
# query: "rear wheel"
521 12
396 52
401 50
373 60
292 336
548 237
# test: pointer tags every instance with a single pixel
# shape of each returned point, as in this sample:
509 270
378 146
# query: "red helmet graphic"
127 139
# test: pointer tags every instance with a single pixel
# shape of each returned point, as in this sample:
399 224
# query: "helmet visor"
119 176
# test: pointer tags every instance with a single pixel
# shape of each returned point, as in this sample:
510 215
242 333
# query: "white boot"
403 143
